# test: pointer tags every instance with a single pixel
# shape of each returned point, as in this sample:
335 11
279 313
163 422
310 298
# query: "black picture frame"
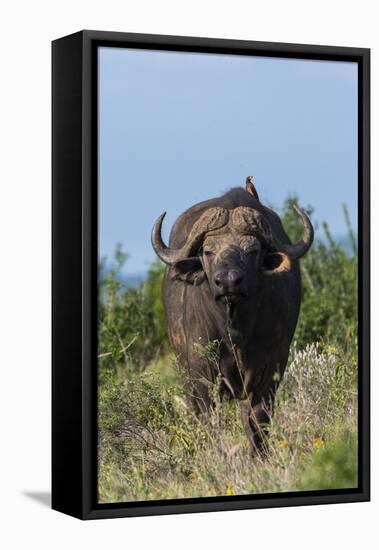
74 272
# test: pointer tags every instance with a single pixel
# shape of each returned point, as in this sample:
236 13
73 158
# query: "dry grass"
152 447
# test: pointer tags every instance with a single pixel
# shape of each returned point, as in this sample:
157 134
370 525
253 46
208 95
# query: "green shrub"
333 465
329 285
131 328
152 290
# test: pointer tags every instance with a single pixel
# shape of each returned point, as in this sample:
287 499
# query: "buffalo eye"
208 252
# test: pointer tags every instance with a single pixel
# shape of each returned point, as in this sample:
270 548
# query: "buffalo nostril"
218 280
228 279
221 278
235 277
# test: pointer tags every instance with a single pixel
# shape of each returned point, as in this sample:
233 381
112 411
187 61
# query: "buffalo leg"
255 420
199 396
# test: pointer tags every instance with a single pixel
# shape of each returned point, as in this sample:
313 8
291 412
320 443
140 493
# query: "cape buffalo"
233 277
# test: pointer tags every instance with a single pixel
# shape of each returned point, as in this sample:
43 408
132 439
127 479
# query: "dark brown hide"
230 285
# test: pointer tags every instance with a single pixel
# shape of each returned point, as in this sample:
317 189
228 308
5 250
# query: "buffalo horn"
212 219
297 250
167 255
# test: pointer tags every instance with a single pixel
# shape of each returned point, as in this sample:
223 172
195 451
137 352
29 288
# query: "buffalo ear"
276 262
189 271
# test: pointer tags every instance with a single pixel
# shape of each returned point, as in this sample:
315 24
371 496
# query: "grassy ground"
152 447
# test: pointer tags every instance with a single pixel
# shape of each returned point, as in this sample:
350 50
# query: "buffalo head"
231 249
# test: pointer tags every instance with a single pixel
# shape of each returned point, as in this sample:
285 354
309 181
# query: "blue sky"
178 128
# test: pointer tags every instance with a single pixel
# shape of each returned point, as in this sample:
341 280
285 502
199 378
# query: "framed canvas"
216 358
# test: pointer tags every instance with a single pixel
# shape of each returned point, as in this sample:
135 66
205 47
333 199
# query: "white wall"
27 29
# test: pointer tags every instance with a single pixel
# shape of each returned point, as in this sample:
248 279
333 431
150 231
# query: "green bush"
333 465
329 285
131 328
152 290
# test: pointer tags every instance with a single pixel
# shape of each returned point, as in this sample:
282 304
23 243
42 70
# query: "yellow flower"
282 444
229 489
330 349
318 442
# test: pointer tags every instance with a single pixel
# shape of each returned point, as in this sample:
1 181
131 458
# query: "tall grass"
151 446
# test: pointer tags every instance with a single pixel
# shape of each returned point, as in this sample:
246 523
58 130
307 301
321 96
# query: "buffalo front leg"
199 381
255 420
199 390
199 397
